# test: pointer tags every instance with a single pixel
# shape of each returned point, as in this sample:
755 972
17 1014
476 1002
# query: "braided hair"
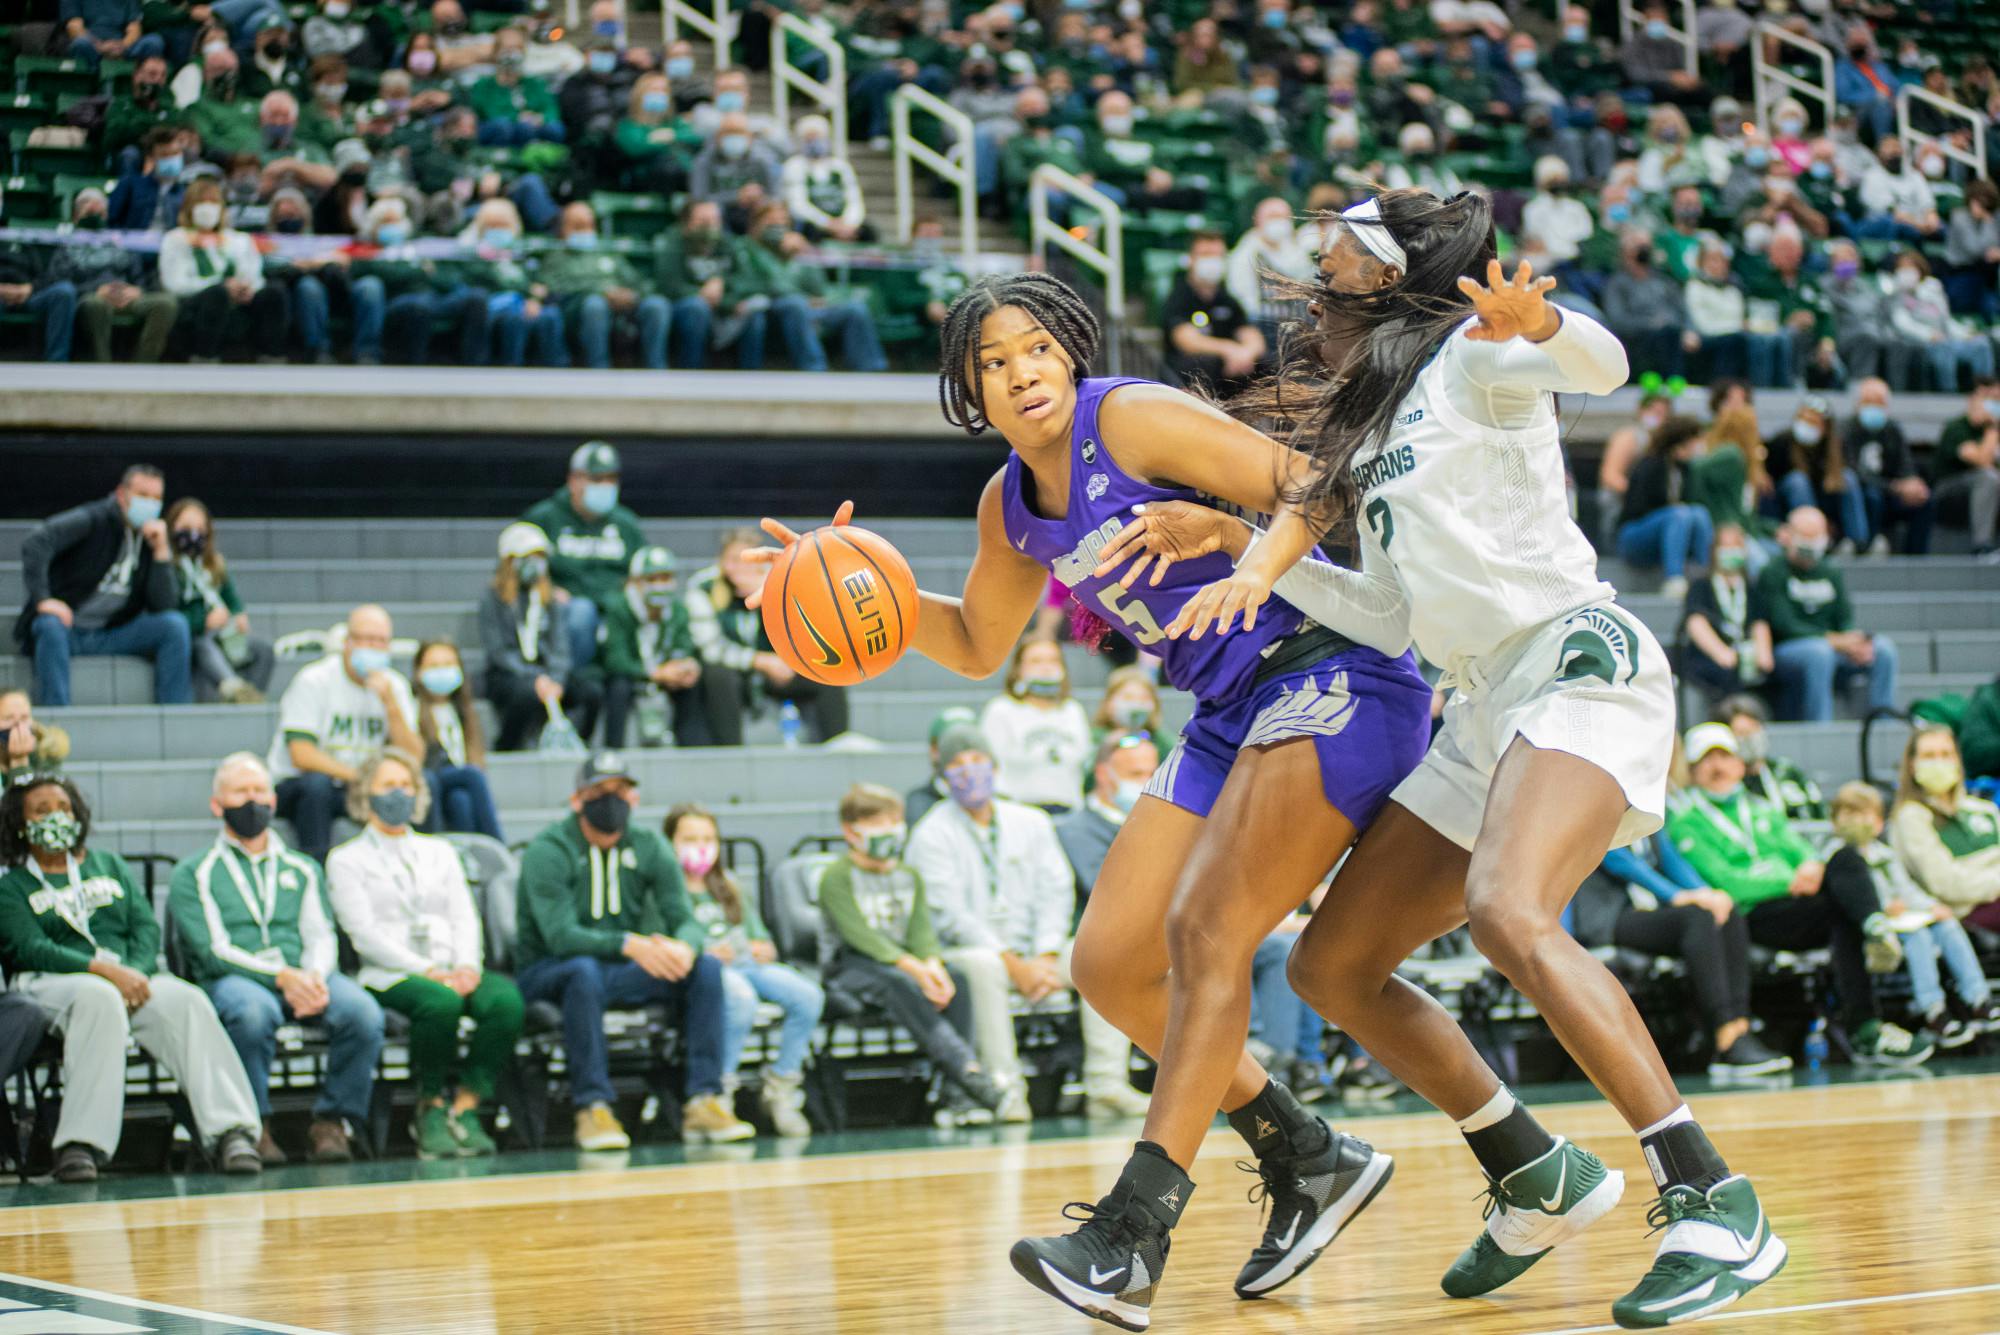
1050 302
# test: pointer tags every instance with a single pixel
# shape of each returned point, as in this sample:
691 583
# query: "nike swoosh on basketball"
828 655
1562 1178
1292 1233
1097 1280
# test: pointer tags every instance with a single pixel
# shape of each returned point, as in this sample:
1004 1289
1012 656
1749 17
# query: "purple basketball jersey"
1101 497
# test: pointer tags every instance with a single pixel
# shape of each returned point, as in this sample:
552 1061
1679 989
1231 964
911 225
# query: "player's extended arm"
1522 347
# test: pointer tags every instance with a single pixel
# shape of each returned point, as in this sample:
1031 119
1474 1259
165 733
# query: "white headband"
1375 235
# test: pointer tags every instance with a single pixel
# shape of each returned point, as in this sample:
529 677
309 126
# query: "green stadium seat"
633 217
52 75
115 74
25 111
27 200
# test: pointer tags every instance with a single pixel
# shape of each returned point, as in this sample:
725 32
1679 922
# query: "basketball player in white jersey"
1433 417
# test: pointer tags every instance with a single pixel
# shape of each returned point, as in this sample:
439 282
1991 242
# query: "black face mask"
190 541
290 226
145 92
608 812
249 820
91 222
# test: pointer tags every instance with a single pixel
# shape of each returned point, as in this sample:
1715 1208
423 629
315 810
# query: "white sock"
1674 1118
1492 1112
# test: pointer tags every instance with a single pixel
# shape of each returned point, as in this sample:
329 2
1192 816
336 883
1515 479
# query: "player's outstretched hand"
1161 533
1242 593
764 556
1509 308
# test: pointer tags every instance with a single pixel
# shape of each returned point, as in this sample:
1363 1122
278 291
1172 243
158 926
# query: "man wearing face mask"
591 100
734 157
257 935
1655 59
592 540
334 29
1803 598
1272 244
146 105
738 670
605 922
1866 82
1778 780
335 713
26 286
699 268
602 294
100 581
1894 492
820 188
287 159
223 118
514 109
1967 463
648 659
1124 764
1897 203
796 301
274 65
1863 339
1646 309
1208 336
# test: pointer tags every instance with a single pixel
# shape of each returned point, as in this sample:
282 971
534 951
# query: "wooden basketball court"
1885 1191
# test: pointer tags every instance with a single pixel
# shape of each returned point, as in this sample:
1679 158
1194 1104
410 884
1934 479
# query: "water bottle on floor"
790 725
1816 1048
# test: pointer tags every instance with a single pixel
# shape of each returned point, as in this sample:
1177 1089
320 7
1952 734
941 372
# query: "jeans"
1886 510
1673 537
56 304
312 802
860 347
462 799
690 324
1809 668
538 207
252 1012
1848 504
1279 1017
412 318
585 987
160 636
743 986
511 331
794 318
242 16
1921 951
1980 488
581 619
370 311
1945 359
594 321
309 313
84 50
500 133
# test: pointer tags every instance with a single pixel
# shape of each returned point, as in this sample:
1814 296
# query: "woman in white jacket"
402 899
1919 311
1041 735
215 271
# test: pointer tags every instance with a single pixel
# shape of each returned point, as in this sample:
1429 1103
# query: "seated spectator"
1815 645
732 97
1272 245
751 971
456 47
1006 901
27 285
1972 252
343 210
1782 284
402 899
454 743
885 952
1920 312
1866 82
1658 526
416 296
1863 338
1788 134
1947 837
699 268
230 664
1203 67
1654 59
924 796
600 292
690 88
738 670
1670 160
334 29
1776 779
1627 444
28 746
1894 492
592 100
654 147
1809 467
1927 929
1131 703
820 189
1727 650
605 922
514 109
323 118
218 276
648 661
1718 336
1554 214
288 160
1040 734
518 310
804 312
223 118
96 30
1967 464
1210 341
1038 142
1744 846
1730 480
109 280
1643 306
736 170
146 106
100 581
254 928
592 540
336 713
1898 204
1123 765
78 937
1111 152
527 654
272 67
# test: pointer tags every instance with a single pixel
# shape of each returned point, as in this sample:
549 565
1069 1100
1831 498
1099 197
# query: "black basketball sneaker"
1111 1266
1312 1197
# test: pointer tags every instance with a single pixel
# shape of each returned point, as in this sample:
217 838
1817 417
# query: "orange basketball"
840 605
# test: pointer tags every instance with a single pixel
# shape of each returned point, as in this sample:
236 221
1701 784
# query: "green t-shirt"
59 922
1801 604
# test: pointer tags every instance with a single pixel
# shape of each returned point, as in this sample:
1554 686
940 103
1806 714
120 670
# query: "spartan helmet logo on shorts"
1599 644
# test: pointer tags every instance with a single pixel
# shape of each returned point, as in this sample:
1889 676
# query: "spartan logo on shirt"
1599 644
79 900
1389 464
608 544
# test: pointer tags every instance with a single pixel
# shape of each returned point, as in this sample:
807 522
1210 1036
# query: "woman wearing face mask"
655 146
78 936
1730 480
820 187
1949 839
1920 311
514 109
1040 734
751 972
527 653
1669 159
1726 649
454 742
415 295
1809 467
403 901
218 275
1272 245
1788 135
230 664
519 314
1131 704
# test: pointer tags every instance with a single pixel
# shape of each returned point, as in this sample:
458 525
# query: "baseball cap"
960 738
594 458
602 765
651 561
519 539
1706 737
351 153
946 718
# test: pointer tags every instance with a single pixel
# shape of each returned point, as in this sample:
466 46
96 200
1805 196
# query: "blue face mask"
1873 416
600 498
608 28
581 241
441 680
1819 171
1265 96
1127 794
1523 60
141 510
1275 18
498 238
1756 157
1992 407
168 168
729 101
653 104
1014 12
392 233
735 145
680 67
1618 213
366 661
1656 28
1576 32
603 62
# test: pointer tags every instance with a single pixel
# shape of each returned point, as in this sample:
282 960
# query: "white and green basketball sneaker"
1530 1211
1718 1247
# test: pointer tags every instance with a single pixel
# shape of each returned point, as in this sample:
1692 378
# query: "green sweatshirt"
1740 844
767 273
680 270
226 128
715 922
640 142
40 917
252 916
622 644
580 900
1027 151
882 915
492 100
1801 604
400 277
587 557
1789 788
582 273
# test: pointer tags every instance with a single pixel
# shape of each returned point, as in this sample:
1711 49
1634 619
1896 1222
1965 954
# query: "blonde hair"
1118 681
1738 426
1857 796
1907 789
864 801
1021 652
358 809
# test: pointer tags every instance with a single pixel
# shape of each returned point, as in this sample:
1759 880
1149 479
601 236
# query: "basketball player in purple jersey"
1299 736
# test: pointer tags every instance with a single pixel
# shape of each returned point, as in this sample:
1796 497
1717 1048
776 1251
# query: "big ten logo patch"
866 599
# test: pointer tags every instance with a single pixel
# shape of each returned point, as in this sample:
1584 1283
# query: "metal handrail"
1764 76
830 94
955 171
1108 260
1975 157
718 25
1631 16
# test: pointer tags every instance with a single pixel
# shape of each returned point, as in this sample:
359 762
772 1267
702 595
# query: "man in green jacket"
1803 599
126 119
592 539
1743 846
776 269
225 119
254 926
699 270
600 290
514 109
604 922
648 658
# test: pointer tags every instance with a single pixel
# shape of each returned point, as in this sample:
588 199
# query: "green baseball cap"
594 458
955 715
651 561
